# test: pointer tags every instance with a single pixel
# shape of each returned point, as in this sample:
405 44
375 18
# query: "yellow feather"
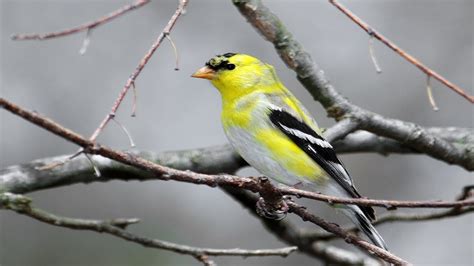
289 154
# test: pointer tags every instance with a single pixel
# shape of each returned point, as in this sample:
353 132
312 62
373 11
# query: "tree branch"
22 205
335 229
289 233
255 185
165 173
373 33
131 80
314 80
84 27
312 235
27 177
363 141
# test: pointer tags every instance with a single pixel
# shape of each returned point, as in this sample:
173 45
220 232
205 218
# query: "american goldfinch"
275 134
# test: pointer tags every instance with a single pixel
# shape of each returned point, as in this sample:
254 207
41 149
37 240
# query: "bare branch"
291 234
22 205
139 68
29 177
388 204
264 188
165 173
337 106
402 53
84 27
363 141
416 217
335 229
340 130
312 235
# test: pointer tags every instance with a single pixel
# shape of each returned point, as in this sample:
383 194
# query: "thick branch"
25 178
316 82
22 205
84 27
363 141
165 173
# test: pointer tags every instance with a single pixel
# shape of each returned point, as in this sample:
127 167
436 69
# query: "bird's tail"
358 217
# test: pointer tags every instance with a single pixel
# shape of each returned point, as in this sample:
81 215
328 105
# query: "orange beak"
204 73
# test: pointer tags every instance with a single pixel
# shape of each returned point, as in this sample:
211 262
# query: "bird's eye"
230 66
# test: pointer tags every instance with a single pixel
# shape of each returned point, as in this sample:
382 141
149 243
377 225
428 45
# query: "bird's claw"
271 212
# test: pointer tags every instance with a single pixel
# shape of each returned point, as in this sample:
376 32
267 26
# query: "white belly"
259 158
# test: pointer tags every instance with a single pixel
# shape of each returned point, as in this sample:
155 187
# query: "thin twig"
372 54
335 229
166 173
429 92
388 204
125 130
84 27
86 42
116 227
312 235
175 50
134 102
96 170
59 163
401 52
139 68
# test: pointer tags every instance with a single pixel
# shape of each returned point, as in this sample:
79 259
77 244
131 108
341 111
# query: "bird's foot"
270 212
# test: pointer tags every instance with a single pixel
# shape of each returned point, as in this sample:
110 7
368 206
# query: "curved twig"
84 27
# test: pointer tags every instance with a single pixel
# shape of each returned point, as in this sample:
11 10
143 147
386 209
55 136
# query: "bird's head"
235 75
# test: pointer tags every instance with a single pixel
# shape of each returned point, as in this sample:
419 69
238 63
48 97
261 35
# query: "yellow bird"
275 134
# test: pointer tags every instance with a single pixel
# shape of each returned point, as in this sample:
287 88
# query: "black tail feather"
358 216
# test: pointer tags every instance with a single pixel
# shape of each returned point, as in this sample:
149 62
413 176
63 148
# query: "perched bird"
275 134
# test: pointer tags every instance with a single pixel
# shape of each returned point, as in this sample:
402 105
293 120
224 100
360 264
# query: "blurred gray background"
178 112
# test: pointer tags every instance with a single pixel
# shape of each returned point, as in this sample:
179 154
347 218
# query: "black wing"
318 149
